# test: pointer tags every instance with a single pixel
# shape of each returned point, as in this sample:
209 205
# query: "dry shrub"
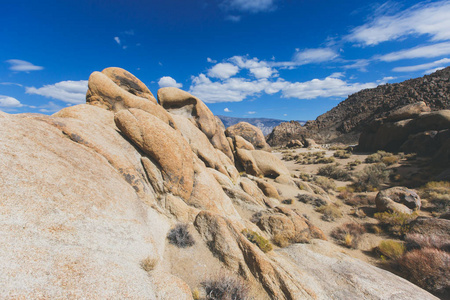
342 154
257 239
180 236
391 249
360 200
287 201
438 193
330 212
348 234
390 160
359 213
377 157
325 183
375 229
226 288
396 223
314 200
420 241
149 263
428 268
371 178
335 172
317 157
351 165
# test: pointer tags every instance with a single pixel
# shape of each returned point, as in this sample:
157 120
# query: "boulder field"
89 194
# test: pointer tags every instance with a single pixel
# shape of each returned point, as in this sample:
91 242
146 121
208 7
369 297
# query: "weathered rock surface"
250 133
398 199
294 144
164 144
257 162
285 132
182 103
431 226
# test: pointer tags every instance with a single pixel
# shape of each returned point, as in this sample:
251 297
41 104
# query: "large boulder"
182 103
261 163
398 199
163 144
409 111
250 133
285 132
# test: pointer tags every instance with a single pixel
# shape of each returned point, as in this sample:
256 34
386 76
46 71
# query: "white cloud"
439 63
328 87
359 64
252 6
22 66
68 91
226 109
259 69
427 18
318 55
11 83
223 71
9 102
117 40
428 51
167 81
211 60
238 89
251 112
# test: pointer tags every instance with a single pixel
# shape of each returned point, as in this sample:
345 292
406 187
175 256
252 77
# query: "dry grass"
348 234
149 263
335 172
437 193
226 288
342 154
390 160
325 183
391 249
395 222
330 212
360 200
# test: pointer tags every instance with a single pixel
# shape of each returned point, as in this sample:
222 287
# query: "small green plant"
391 249
396 223
180 236
330 212
257 239
348 234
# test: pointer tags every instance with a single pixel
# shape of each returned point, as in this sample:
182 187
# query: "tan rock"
252 189
250 133
268 189
269 164
241 143
398 199
178 208
179 102
409 111
164 144
154 175
171 287
87 113
248 163
128 82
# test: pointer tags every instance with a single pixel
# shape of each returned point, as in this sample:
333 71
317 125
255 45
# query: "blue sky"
285 59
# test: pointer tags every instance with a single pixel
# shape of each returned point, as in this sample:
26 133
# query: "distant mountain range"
266 125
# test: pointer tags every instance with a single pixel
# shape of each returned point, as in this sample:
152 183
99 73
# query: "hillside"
345 122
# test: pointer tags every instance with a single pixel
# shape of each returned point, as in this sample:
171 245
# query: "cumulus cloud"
9 102
259 69
210 60
223 70
167 81
238 89
226 109
69 91
328 87
428 51
436 64
252 6
423 19
22 66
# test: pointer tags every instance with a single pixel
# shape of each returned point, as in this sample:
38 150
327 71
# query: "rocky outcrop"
398 199
250 133
424 133
347 120
285 132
